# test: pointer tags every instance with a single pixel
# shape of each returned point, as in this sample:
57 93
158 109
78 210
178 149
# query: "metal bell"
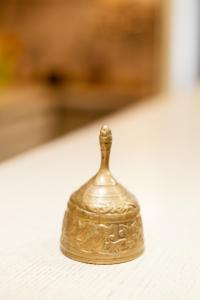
102 224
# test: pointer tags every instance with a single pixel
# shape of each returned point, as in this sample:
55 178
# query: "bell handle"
105 140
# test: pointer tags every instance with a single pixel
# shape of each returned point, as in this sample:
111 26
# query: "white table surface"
156 155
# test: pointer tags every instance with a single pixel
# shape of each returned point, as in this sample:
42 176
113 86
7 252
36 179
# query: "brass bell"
102 224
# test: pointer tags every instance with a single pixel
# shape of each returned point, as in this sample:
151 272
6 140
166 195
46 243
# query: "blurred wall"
108 40
181 44
64 64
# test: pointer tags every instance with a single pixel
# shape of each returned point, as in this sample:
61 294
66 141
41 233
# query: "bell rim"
98 259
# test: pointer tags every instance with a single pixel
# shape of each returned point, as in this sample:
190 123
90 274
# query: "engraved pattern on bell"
102 223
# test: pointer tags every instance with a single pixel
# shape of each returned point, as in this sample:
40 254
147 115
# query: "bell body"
102 223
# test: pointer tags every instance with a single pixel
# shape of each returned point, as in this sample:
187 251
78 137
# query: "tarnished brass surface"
102 224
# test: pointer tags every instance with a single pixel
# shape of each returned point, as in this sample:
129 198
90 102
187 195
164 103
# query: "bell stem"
104 159
105 139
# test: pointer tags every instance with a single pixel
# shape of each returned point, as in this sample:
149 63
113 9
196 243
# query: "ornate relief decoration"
102 238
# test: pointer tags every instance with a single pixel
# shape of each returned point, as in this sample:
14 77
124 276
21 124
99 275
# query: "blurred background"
64 64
